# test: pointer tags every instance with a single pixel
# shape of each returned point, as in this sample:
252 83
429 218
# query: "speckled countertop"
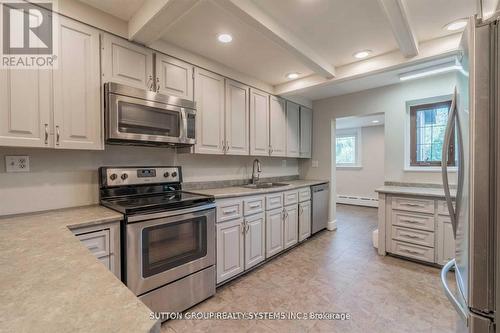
412 190
52 283
239 191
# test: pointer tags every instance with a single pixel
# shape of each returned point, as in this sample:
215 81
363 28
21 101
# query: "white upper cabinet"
174 77
237 118
209 97
25 107
305 132
77 107
292 129
259 123
277 126
126 63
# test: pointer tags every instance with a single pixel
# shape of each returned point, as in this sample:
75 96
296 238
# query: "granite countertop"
52 283
413 190
239 191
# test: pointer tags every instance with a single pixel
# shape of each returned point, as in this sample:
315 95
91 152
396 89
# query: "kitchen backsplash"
67 178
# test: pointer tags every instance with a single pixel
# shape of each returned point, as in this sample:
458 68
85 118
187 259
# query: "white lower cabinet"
304 220
446 241
255 240
230 249
274 232
291 225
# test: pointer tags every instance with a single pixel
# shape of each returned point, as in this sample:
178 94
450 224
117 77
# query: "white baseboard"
332 225
358 201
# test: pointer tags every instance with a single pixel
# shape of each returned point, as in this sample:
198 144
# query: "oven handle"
144 217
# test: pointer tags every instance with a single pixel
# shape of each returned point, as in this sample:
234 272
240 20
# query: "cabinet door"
237 118
25 107
259 123
255 240
174 77
277 126
77 107
126 63
445 240
291 225
292 129
304 220
274 232
230 249
209 97
305 132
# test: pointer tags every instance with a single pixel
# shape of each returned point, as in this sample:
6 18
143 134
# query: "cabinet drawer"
290 198
413 251
274 200
442 207
413 204
253 205
229 209
413 220
304 194
97 242
413 236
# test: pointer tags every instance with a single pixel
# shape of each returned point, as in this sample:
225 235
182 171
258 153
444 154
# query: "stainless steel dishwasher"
320 194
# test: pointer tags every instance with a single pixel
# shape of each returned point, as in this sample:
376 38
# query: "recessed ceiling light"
375 121
362 54
225 38
292 75
456 25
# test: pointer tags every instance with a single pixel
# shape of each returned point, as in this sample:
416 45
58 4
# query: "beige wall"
362 182
65 178
390 100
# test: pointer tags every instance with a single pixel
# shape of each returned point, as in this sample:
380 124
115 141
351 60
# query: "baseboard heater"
358 201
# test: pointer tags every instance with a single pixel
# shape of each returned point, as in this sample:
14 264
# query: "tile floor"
336 272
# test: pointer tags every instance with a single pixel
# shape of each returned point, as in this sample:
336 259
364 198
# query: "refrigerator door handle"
444 162
449 294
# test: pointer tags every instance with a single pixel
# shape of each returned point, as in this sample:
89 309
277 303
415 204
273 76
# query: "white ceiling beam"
253 15
155 17
397 14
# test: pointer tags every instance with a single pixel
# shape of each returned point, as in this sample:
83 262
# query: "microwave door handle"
183 129
444 162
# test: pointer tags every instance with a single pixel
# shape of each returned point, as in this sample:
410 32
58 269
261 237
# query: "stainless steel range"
168 235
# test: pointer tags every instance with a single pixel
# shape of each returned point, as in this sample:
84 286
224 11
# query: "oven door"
137 120
164 249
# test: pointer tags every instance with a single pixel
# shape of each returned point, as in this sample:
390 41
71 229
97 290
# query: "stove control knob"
113 176
166 174
174 174
124 176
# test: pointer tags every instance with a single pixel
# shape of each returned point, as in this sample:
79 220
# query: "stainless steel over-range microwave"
141 117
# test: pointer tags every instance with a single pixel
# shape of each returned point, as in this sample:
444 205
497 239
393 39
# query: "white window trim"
349 132
407 131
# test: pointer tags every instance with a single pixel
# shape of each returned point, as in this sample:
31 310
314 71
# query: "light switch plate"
315 163
17 163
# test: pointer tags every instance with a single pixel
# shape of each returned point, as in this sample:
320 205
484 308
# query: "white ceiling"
249 52
361 121
123 9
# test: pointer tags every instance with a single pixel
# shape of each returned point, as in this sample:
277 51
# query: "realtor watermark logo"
28 34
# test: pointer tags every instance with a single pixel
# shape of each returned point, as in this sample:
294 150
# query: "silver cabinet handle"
449 294
150 83
46 134
411 236
247 227
444 162
227 146
157 84
412 204
301 210
243 226
58 135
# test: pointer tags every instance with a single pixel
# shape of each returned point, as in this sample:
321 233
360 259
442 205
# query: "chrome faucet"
256 175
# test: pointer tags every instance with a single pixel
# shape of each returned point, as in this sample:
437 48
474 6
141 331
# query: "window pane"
430 125
346 149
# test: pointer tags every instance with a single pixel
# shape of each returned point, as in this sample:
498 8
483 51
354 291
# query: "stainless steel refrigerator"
474 215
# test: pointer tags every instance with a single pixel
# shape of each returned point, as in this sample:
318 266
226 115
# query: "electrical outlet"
283 163
315 163
17 163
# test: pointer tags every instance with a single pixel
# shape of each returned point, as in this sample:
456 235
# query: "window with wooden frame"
427 129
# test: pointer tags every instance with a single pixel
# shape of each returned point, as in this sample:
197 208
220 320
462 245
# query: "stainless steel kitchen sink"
264 185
